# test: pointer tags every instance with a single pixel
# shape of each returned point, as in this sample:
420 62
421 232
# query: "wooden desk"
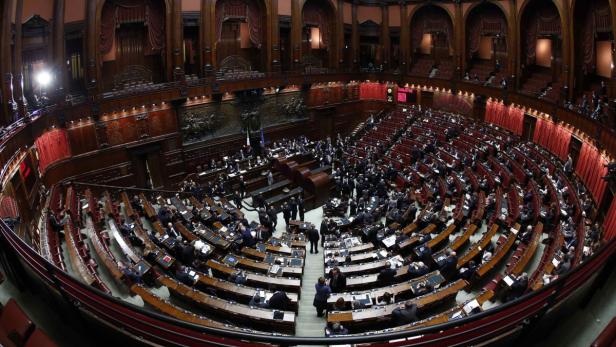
104 253
77 261
362 268
520 262
499 254
128 208
237 291
147 207
260 317
442 236
127 249
171 310
405 288
478 246
379 313
258 280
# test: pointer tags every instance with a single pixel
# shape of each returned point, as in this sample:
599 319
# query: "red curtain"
609 225
510 118
372 91
151 13
8 207
244 10
591 170
52 146
553 137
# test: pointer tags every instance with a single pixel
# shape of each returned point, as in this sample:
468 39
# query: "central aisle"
308 324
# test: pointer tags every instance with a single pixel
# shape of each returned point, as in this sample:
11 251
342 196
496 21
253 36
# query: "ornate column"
385 37
273 57
405 39
355 37
6 68
59 51
296 34
206 34
459 34
340 34
18 77
92 74
178 39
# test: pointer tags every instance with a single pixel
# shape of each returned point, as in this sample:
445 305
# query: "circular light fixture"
43 78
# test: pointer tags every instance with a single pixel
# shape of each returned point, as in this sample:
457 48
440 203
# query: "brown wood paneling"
82 138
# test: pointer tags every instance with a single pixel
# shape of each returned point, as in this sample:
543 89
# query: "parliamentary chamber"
141 95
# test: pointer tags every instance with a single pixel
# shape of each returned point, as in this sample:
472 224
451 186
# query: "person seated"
238 278
182 274
518 287
466 272
338 329
449 267
258 301
386 299
340 305
418 269
386 275
405 315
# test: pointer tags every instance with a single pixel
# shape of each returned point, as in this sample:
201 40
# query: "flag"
262 138
247 136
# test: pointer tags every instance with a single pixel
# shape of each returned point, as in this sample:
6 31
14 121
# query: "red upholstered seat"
15 325
39 339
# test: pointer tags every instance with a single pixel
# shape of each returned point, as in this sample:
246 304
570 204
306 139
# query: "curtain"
485 20
510 118
52 146
150 12
553 137
8 207
609 225
428 20
247 10
313 14
372 91
591 170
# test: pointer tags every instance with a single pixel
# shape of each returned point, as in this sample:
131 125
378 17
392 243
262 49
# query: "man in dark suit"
242 187
293 205
406 315
300 208
313 237
324 229
449 268
279 301
337 280
286 213
386 276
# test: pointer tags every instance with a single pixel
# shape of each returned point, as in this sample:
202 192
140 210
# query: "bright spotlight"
43 78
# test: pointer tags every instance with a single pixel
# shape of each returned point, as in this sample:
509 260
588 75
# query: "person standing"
273 215
293 205
286 213
324 230
337 280
323 291
270 178
242 187
300 208
313 237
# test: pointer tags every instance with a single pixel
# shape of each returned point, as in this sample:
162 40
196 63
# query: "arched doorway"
486 44
318 35
240 36
432 42
132 43
593 46
541 52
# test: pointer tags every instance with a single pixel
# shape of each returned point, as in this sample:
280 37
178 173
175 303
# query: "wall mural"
249 110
